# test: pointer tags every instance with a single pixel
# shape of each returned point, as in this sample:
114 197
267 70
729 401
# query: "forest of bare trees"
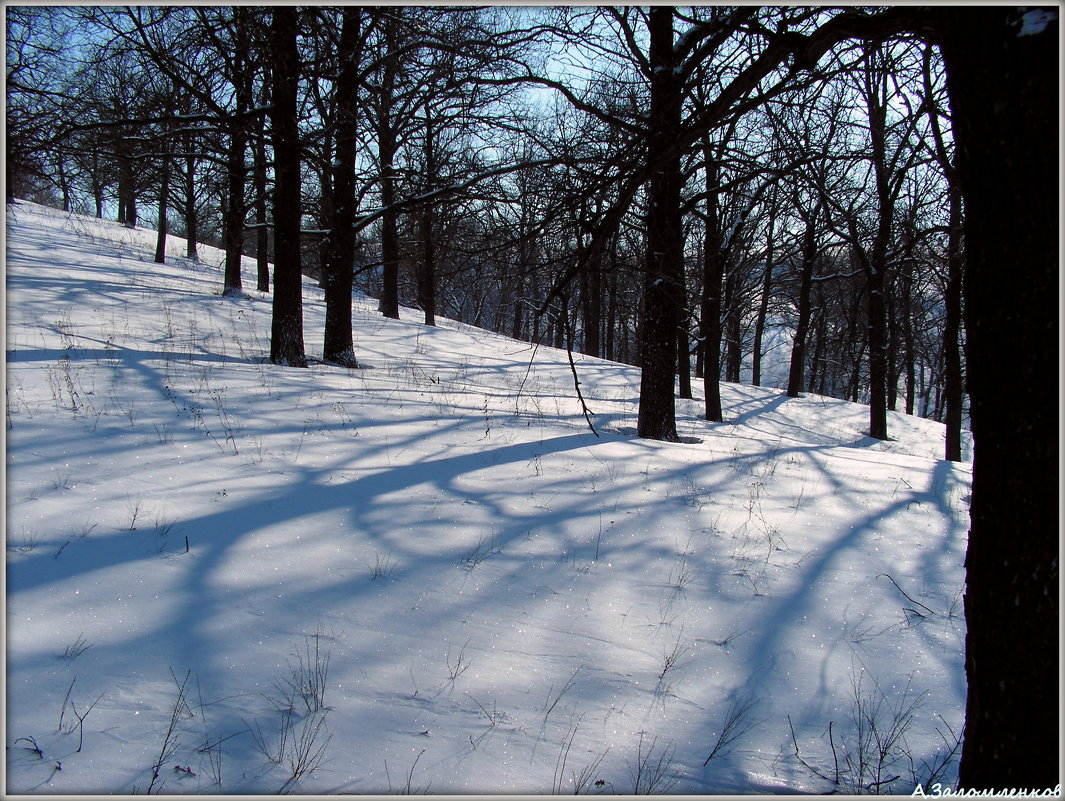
853 203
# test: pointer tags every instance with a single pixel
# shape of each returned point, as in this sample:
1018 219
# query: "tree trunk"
874 261
286 339
684 365
426 273
818 368
97 184
236 207
610 351
192 232
1002 78
64 183
164 193
127 193
235 213
663 270
387 147
802 327
909 355
262 233
763 302
339 346
733 327
710 307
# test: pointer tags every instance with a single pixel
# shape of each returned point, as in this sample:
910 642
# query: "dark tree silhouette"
286 341
1002 78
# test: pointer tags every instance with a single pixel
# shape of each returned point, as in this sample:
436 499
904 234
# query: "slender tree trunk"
854 391
97 185
763 302
164 194
1002 78
192 232
64 183
236 171
610 351
802 326
684 364
593 311
909 356
710 307
733 328
877 339
818 368
426 273
663 271
127 193
286 340
262 233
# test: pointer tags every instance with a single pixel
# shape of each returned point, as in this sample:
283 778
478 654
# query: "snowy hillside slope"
225 576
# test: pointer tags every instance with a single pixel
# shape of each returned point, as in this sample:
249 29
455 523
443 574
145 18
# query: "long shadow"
784 610
358 497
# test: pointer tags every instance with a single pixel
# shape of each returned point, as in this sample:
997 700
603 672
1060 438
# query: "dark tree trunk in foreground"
874 259
339 346
387 146
1002 78
663 272
286 336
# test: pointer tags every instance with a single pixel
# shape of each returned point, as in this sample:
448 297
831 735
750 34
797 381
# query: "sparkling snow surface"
506 602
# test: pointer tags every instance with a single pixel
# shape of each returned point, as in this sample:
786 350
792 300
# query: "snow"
499 601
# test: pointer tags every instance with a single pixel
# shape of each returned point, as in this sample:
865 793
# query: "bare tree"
286 340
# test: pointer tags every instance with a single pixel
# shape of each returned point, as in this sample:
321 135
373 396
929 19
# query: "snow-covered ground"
428 574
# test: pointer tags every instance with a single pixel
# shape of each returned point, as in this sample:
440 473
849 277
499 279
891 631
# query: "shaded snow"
508 603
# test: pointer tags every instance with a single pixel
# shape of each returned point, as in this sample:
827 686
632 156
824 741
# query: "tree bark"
802 326
1002 79
733 327
710 307
763 302
874 260
663 270
164 194
236 171
286 340
386 153
262 233
427 269
339 346
192 228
